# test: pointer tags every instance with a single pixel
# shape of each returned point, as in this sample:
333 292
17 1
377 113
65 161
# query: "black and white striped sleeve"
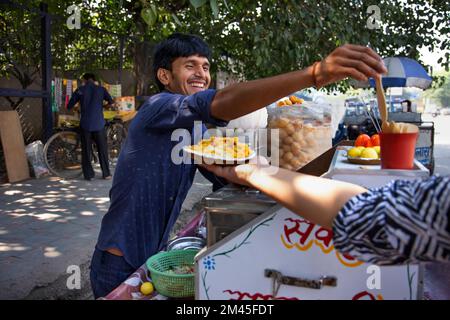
402 222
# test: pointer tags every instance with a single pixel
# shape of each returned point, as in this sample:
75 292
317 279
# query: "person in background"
92 124
148 187
402 222
407 105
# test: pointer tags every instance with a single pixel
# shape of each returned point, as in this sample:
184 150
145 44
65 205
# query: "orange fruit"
375 139
368 144
362 140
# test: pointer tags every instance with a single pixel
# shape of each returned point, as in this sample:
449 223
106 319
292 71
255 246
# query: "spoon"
381 99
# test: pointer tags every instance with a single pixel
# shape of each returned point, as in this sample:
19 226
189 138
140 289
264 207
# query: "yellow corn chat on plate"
221 150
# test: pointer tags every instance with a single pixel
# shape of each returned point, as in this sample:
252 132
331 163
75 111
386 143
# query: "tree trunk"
143 59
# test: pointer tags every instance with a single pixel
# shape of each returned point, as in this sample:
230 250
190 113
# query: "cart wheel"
62 154
116 134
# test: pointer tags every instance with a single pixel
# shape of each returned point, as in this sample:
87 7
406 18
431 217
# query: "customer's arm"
316 199
402 222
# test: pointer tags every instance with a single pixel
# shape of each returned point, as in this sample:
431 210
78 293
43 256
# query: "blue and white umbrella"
402 72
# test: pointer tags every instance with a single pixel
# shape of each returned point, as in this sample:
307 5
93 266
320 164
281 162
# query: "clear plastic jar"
304 133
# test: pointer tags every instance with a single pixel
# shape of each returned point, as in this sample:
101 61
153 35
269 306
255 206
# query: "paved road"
437 276
441 142
48 224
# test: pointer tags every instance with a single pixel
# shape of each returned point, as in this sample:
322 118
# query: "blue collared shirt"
91 99
148 187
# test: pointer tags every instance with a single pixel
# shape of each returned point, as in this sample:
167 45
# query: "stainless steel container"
185 243
230 208
238 199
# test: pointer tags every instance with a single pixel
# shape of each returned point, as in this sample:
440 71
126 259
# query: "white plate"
212 159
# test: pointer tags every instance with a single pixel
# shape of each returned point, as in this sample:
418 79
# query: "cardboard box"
125 103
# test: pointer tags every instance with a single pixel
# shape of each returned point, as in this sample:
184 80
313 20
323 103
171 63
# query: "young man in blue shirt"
92 124
148 187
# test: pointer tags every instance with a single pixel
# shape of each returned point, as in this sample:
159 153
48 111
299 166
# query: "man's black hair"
175 46
89 76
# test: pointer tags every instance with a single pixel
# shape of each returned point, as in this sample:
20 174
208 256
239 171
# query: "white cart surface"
280 255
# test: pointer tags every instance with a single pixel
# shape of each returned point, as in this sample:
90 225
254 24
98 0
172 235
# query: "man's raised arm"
353 61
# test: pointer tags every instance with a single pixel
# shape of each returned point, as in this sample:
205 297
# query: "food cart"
279 255
257 249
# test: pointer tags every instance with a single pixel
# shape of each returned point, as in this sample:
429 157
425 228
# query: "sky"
431 58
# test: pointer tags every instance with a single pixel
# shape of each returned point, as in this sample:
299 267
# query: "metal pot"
184 243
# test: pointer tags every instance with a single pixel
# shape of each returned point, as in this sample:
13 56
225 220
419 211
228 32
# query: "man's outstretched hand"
349 60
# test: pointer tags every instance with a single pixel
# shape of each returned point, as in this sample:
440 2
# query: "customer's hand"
238 174
354 61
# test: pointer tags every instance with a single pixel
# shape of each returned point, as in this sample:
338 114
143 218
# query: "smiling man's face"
188 76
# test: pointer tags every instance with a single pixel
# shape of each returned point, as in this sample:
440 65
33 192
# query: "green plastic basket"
171 284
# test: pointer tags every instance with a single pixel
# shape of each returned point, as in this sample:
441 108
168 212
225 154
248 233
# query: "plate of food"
220 150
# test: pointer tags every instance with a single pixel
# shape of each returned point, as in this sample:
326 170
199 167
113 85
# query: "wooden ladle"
386 126
382 105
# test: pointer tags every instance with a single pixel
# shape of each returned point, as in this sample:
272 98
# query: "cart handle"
278 279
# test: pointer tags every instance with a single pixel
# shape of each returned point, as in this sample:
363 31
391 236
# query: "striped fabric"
402 222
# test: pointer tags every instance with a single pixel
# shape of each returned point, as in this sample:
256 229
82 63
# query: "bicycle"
116 132
62 152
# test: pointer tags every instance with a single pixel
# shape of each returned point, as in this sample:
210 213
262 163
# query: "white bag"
254 120
35 155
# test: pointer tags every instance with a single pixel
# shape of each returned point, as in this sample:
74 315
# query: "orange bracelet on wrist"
314 73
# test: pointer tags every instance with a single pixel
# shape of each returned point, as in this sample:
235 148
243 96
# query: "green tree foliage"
72 50
250 38
440 92
18 37
266 37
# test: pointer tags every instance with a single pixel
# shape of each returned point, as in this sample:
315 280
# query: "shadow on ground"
50 224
